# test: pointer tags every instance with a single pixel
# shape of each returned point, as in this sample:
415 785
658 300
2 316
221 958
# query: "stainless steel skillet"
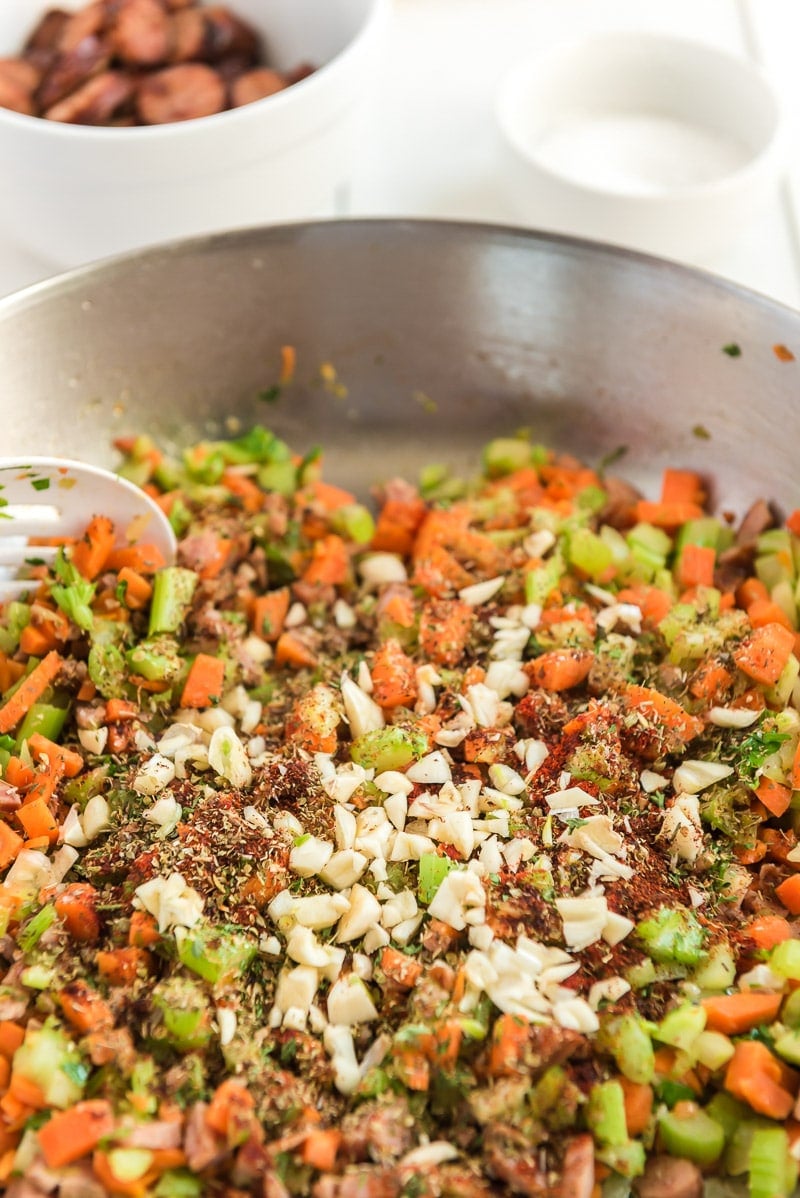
415 341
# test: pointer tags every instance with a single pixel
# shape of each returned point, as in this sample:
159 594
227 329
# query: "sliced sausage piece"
187 30
141 33
180 93
669 1177
256 85
96 102
47 34
70 69
225 34
14 94
21 72
86 22
577 1170
176 5
298 73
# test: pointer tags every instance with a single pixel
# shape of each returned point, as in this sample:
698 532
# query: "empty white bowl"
72 193
658 143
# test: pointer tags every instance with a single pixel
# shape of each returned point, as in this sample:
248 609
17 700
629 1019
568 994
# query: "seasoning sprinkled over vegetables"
444 849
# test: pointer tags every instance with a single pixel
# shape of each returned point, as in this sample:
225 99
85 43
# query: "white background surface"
430 146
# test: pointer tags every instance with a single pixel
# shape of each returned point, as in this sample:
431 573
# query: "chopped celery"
354 522
216 954
185 1014
591 499
390 748
787 1045
627 1159
790 1012
179 516
605 1114
258 444
129 1164
779 693
73 593
173 588
107 670
34 928
727 1111
504 455
706 530
541 580
785 959
695 1136
17 616
179 1183
673 935
718 971
649 545
631 1046
43 718
737 1152
589 553
38 977
769 1175
713 1049
156 659
681 1027
433 870
278 476
42 1058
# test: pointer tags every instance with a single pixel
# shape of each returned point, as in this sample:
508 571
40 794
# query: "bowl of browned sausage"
130 122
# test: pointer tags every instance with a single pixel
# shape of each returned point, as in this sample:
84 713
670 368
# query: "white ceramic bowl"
72 193
658 143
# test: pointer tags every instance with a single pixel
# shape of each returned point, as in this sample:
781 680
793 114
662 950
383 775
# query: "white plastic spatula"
57 497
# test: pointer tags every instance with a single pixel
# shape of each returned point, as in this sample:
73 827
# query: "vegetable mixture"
446 852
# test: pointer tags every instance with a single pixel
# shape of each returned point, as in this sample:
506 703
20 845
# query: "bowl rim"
39 126
260 235
768 157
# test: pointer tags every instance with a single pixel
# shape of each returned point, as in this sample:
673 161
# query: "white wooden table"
430 146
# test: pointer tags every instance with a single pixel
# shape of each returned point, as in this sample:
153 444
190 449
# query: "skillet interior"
441 334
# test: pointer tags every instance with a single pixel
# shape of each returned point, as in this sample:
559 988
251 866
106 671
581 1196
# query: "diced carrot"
230 1102
735 1014
398 608
788 892
11 1036
86 691
10 672
445 625
330 562
750 854
320 1148
560 669
768 930
142 558
403 970
292 651
288 364
29 690
397 525
10 844
215 558
138 591
638 1105
793 522
43 749
36 641
775 797
766 611
764 653
682 486
394 679
204 683
510 1038
441 526
750 591
758 1078
119 710
654 602
101 1165
795 775
120 966
143 930
44 785
5 1076
783 353
710 681
69 1135
413 1068
247 491
76 906
84 1008
26 1091
663 710
18 774
37 820
269 612
440 573
696 566
329 496
667 515
448 1036
90 554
